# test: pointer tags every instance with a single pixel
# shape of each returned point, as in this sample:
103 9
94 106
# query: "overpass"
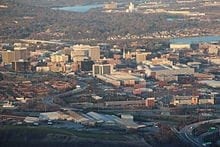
185 134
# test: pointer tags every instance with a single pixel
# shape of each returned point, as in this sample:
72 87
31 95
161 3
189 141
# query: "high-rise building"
83 52
102 69
21 53
17 54
21 66
7 56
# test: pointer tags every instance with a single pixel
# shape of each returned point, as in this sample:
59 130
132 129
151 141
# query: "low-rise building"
206 101
53 116
211 83
42 69
142 56
76 117
59 58
21 66
214 49
29 119
167 72
182 100
214 60
179 46
192 100
122 78
149 102
159 61
110 6
102 69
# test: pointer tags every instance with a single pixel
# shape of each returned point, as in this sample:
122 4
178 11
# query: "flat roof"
123 76
158 67
211 83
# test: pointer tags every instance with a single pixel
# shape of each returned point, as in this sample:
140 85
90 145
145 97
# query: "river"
198 39
80 8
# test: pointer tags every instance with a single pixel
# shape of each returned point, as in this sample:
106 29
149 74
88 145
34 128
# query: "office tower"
17 54
83 52
21 53
7 56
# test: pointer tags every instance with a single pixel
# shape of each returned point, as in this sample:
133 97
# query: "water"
199 39
80 8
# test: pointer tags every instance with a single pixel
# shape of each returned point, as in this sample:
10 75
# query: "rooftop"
211 83
124 76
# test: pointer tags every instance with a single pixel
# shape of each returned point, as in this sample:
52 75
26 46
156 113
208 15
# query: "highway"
57 42
185 134
4 116
49 100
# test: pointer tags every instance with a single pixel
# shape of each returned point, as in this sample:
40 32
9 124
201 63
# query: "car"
207 144
36 124
50 122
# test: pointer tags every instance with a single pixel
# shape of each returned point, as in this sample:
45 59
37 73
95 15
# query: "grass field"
41 131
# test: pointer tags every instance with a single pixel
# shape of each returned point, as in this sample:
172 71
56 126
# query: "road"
4 116
185 134
57 42
49 100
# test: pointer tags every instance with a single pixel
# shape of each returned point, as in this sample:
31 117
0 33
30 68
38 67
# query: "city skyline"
109 73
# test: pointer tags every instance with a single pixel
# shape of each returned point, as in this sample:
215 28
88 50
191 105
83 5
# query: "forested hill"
24 19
